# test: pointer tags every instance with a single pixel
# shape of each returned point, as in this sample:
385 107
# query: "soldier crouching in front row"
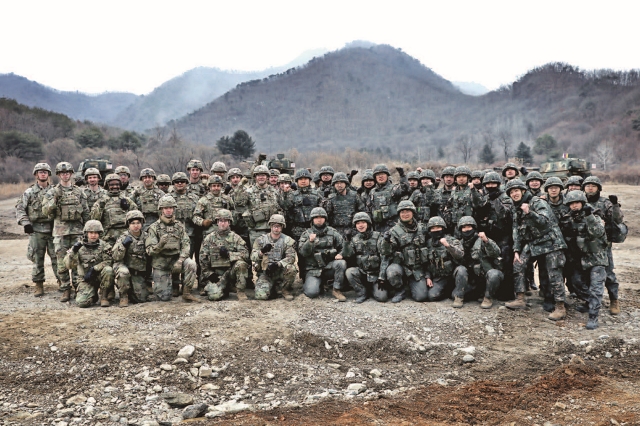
130 259
92 260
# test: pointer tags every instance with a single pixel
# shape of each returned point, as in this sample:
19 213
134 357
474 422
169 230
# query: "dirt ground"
315 362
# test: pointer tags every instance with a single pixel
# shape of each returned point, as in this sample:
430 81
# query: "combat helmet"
178 176
93 226
413 175
573 180
195 164
224 214
491 177
449 170
339 177
462 170
467 220
326 169
234 172
513 184
277 218
510 166
477 174
164 179
218 167
406 205
285 177
215 179
274 172
64 166
134 215
261 170
122 169
380 168
316 178
553 181
43 166
167 201
534 176
428 174
436 221
92 171
574 196
318 212
110 178
367 175
148 172
302 173
593 180
361 216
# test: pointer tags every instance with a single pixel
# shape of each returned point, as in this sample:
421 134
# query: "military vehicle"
105 167
565 167
281 164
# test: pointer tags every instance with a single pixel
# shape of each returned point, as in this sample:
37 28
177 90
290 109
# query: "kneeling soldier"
274 255
441 254
224 260
131 261
92 258
479 272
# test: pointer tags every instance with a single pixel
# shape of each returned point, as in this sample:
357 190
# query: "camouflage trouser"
589 286
364 286
612 281
163 280
471 286
282 278
131 282
39 244
397 280
314 277
237 274
86 292
62 244
550 267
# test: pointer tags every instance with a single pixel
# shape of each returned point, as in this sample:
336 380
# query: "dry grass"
11 190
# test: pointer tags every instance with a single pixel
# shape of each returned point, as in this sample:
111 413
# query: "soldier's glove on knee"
294 186
76 246
127 241
387 236
207 223
306 202
227 189
177 267
28 229
267 248
613 199
400 171
587 209
224 253
272 268
89 275
523 170
124 204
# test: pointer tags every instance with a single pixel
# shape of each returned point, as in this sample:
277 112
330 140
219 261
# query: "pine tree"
486 155
239 146
524 153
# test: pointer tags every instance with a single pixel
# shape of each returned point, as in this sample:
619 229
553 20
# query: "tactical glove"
76 246
523 170
163 240
124 204
306 202
267 248
400 171
387 236
348 233
360 190
206 223
273 267
89 275
353 172
224 253
423 189
587 209
127 241
294 186
28 228
613 199
227 189
326 192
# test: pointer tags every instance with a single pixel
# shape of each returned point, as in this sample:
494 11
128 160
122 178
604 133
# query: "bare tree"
174 137
465 146
504 135
605 155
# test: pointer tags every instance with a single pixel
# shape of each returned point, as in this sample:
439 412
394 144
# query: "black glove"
272 267
382 284
88 276
326 192
28 229
613 199
262 156
360 190
523 170
224 253
263 197
267 248
76 246
212 278
387 236
400 171
124 204
127 241
227 189
294 186
353 172
587 209
306 202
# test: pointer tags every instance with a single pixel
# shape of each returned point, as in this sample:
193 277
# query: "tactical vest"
299 212
444 194
424 201
437 258
409 249
69 207
136 256
367 256
460 204
113 216
214 241
197 188
89 257
263 204
93 196
384 207
186 205
324 249
175 232
559 209
34 207
342 208
584 242
482 262
149 198
528 232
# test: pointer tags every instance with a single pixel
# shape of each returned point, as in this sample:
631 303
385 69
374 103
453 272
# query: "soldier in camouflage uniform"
274 257
321 248
274 178
426 199
510 171
240 200
38 225
284 183
367 247
536 237
93 190
111 209
326 175
164 182
401 263
463 200
448 182
553 196
194 170
413 178
147 197
207 208
479 273
66 202
167 243
219 169
124 174
341 205
477 177
574 183
263 201
316 180
613 216
534 183
130 257
91 257
186 203
224 260
385 198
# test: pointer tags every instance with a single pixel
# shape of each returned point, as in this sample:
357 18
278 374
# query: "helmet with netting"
277 218
318 212
573 196
406 205
533 176
462 170
302 173
436 221
491 177
553 181
510 166
449 170
326 169
467 220
93 226
573 180
339 177
41 166
380 168
361 216
513 184
594 180
147 172
64 166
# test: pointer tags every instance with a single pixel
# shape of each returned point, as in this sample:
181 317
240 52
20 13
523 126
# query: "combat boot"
592 324
39 289
361 297
241 296
111 295
519 303
487 303
66 295
59 285
548 305
188 297
614 307
287 295
458 302
398 297
175 290
104 301
559 313
582 307
338 295
124 300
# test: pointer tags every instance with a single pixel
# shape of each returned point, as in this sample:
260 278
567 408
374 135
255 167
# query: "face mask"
436 235
467 235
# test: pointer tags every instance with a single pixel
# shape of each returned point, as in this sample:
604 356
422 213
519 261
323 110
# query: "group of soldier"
466 235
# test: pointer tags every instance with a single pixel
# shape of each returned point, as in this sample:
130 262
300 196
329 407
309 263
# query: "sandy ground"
315 362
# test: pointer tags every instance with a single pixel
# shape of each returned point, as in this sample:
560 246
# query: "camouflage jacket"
241 200
440 261
480 257
495 216
129 191
385 199
207 208
559 209
262 203
69 206
586 239
147 201
341 208
404 248
96 256
611 214
463 201
298 207
177 245
427 201
29 209
135 256
444 194
197 188
184 212
112 216
283 251
538 230
368 249
92 196
317 254
210 258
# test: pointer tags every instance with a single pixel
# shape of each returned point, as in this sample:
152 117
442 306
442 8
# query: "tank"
280 163
105 167
565 167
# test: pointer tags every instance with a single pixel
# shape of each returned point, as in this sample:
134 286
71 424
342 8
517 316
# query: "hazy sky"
97 46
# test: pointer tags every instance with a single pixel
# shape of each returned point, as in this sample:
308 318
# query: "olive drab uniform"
384 203
147 202
69 207
29 212
130 267
220 272
207 208
480 270
283 254
298 207
427 201
368 249
341 209
111 210
439 264
97 256
262 203
319 259
164 257
184 213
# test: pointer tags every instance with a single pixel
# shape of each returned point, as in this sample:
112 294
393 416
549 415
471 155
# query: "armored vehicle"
565 167
280 163
103 165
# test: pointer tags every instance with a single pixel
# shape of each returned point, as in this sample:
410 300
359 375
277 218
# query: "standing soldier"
147 197
238 194
413 178
66 202
224 260
427 199
477 176
385 197
195 169
167 243
510 171
368 247
186 203
274 255
326 175
536 237
164 182
207 208
111 209
299 204
321 247
130 259
553 196
447 184
574 183
534 183
366 185
274 176
262 203
38 225
341 205
92 191
124 174
587 242
219 169
91 258
612 215
462 201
